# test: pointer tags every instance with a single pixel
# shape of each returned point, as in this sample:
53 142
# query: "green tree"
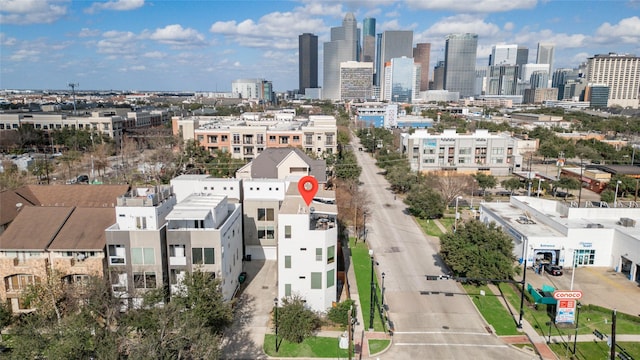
485 181
339 314
223 165
567 184
478 251
607 196
511 184
295 321
346 166
424 202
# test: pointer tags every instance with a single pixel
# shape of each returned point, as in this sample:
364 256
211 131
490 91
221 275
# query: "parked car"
243 277
553 270
83 179
503 193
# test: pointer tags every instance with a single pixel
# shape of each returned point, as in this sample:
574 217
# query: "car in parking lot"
553 270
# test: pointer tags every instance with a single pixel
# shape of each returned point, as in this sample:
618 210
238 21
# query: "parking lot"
600 286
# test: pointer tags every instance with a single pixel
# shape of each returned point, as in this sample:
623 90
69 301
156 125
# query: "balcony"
117 260
178 260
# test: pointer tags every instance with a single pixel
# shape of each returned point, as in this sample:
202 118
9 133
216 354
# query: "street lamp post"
539 186
573 268
275 303
382 291
575 337
372 291
455 221
524 281
615 196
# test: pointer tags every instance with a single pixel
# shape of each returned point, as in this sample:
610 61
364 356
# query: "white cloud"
25 55
31 11
278 30
236 64
86 32
477 6
117 5
463 24
509 26
178 36
568 41
154 54
138 68
389 25
627 30
7 41
117 43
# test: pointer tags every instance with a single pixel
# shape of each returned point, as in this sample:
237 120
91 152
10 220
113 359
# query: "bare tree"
450 185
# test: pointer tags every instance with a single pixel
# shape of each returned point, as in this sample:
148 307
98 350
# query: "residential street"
429 317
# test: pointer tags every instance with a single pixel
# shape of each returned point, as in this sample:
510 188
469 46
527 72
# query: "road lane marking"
441 332
448 345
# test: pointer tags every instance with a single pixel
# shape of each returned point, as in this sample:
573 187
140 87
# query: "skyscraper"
368 40
504 55
307 62
545 55
523 55
438 76
356 80
402 80
421 55
394 44
621 73
460 63
342 47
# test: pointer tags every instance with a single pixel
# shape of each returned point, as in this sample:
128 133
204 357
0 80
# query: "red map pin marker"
308 187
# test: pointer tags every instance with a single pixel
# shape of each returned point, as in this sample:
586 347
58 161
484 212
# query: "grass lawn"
429 227
594 350
492 310
375 345
447 223
362 267
315 347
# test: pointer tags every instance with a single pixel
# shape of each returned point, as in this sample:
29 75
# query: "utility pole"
613 335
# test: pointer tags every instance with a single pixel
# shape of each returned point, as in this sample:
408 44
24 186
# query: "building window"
117 255
331 250
331 278
266 232
287 289
202 256
236 138
316 280
287 262
585 257
212 139
144 280
287 231
224 138
143 256
296 138
236 149
141 222
318 254
176 276
265 214
176 251
19 282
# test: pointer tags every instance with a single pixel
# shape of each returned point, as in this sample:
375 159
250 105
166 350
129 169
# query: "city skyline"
205 45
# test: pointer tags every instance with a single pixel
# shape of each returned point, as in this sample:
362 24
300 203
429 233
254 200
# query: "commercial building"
253 89
369 40
422 56
376 114
460 63
356 80
503 55
597 95
401 80
462 153
556 233
393 44
545 55
307 62
342 47
621 73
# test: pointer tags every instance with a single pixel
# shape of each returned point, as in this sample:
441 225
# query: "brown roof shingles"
34 228
84 230
73 195
9 199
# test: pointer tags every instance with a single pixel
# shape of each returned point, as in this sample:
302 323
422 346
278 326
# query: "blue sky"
202 45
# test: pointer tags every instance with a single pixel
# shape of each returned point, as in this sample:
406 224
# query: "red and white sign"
567 295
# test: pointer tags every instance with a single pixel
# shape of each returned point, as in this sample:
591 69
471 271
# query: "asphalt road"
432 319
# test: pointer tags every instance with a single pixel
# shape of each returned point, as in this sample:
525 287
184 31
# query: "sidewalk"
360 333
